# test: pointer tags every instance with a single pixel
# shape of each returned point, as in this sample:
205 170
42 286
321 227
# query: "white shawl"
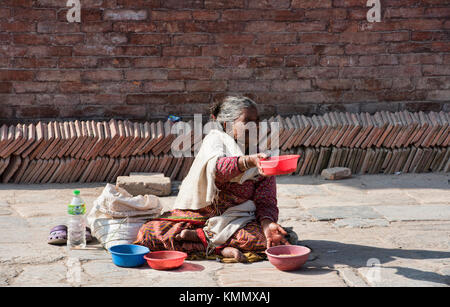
198 189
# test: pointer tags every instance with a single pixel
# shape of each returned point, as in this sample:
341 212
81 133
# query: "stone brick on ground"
144 184
335 173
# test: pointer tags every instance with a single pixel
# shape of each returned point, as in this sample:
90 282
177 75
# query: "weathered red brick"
133 112
192 39
309 4
403 12
33 14
97 26
114 62
57 99
139 51
77 62
57 27
5 87
375 60
95 50
224 4
206 86
17 26
87 15
146 74
101 75
102 99
134 26
58 75
244 85
436 70
164 86
31 62
334 84
37 112
49 51
79 87
438 95
230 39
265 26
68 39
396 36
34 87
170 15
300 61
193 62
135 3
18 3
181 50
275 38
205 15
124 14
321 14
182 4
269 4
291 85
149 39
430 36
190 74
419 58
31 39
16 75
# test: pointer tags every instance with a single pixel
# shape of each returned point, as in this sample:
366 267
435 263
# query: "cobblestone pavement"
370 230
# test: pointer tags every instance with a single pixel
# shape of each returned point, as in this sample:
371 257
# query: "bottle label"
76 209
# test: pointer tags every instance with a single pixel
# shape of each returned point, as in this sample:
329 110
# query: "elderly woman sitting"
226 204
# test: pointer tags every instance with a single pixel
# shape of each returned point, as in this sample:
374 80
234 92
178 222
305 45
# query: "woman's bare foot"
231 252
188 235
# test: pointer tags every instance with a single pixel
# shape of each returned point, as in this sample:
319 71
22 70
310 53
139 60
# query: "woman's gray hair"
230 108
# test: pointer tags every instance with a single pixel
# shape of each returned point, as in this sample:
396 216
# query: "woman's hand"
254 161
275 234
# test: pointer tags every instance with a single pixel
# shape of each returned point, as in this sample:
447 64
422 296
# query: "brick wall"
143 59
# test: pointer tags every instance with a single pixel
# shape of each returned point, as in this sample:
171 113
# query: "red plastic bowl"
279 165
288 262
165 260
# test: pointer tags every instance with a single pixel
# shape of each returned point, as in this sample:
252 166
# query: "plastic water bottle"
76 233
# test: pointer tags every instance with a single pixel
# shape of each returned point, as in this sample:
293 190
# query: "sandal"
58 235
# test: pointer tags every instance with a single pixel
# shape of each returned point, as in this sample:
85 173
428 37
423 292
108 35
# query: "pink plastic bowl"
165 260
279 165
288 263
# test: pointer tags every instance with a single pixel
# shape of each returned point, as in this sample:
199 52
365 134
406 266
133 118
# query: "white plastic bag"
117 216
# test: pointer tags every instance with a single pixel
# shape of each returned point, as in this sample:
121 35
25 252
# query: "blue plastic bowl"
128 255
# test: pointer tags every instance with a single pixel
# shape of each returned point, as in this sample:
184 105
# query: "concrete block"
143 185
336 173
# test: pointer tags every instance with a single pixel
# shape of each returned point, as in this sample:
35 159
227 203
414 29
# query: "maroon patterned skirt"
159 234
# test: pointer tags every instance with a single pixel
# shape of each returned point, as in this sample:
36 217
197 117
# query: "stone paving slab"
403 276
343 212
373 217
38 275
342 200
406 181
263 274
7 274
361 223
5 211
351 277
192 273
29 253
415 213
433 196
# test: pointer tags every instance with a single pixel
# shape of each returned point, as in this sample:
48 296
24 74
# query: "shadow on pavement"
331 254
